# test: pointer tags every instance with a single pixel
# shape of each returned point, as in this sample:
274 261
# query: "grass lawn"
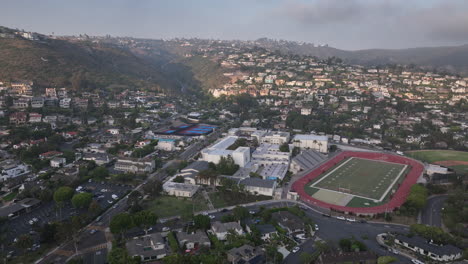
9 196
460 168
363 177
166 206
438 155
228 198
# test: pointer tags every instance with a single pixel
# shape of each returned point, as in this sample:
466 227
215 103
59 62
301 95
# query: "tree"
202 222
48 232
208 176
306 258
120 255
121 223
24 241
153 188
284 147
386 259
179 179
100 173
240 213
144 219
94 207
82 200
63 194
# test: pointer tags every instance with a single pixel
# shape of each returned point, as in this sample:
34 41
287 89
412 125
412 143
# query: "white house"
431 250
12 169
221 230
57 162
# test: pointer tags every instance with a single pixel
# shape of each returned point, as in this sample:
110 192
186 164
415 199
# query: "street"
432 213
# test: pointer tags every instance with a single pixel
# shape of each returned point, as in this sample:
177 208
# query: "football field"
358 178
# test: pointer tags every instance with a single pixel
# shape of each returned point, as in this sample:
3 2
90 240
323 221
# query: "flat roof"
310 137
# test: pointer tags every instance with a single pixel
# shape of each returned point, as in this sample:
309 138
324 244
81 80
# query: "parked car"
93 231
316 227
341 218
165 229
350 219
295 249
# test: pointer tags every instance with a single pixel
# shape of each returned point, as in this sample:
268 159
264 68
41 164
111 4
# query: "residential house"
428 249
221 230
289 221
363 257
246 254
148 247
99 158
193 240
58 162
35 118
65 103
37 102
11 169
267 231
18 118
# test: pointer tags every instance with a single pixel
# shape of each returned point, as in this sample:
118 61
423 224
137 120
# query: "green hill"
79 65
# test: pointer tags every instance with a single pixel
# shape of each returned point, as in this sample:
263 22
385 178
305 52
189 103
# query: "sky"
344 24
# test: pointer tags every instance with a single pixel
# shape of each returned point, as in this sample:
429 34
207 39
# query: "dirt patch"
451 162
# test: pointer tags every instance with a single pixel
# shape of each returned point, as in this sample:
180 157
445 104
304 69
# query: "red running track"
397 199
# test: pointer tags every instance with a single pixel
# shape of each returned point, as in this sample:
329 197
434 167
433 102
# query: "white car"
115 197
316 227
350 219
415 261
301 236
212 216
340 218
165 229
295 249
252 212
205 213
110 201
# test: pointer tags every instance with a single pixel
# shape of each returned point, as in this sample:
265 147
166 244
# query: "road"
432 214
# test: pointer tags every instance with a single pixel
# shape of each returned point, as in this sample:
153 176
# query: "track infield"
366 179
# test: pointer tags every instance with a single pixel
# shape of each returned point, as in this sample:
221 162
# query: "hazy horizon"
350 24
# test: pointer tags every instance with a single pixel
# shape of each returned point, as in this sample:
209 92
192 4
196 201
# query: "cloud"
385 23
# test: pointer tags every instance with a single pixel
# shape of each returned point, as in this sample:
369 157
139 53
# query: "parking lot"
48 212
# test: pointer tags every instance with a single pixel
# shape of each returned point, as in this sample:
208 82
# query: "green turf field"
361 177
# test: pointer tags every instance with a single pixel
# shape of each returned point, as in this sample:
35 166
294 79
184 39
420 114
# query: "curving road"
432 214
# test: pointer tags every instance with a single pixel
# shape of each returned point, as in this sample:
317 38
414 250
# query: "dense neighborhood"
133 175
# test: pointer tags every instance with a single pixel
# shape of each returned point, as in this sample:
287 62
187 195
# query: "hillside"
80 65
452 59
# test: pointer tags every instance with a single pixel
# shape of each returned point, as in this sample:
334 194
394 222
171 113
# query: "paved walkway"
207 198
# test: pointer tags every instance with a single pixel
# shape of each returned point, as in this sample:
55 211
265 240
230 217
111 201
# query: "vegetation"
166 206
416 200
455 213
80 65
386 259
82 200
431 232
